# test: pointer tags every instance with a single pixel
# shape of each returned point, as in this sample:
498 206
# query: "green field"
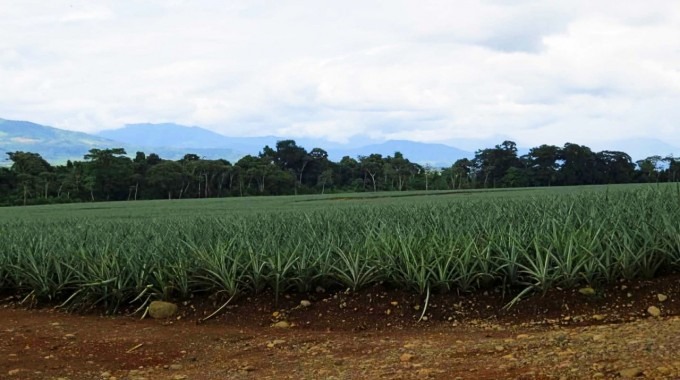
122 253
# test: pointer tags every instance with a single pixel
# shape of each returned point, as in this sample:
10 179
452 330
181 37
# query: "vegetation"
114 254
286 169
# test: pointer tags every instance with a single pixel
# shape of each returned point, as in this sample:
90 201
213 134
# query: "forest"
287 169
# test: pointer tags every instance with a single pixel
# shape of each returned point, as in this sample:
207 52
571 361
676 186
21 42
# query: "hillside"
196 138
55 145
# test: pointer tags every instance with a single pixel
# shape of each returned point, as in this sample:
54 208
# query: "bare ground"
373 334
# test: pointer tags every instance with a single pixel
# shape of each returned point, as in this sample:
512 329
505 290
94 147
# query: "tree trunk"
373 179
206 185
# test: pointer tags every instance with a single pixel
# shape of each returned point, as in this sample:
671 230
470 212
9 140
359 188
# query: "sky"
587 72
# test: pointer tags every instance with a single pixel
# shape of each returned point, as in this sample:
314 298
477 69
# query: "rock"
14 372
305 303
664 370
162 310
424 372
175 367
320 289
106 375
281 325
598 317
661 297
69 336
587 291
630 373
275 343
500 348
654 311
179 377
406 358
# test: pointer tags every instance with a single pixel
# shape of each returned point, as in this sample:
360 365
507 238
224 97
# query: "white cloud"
539 72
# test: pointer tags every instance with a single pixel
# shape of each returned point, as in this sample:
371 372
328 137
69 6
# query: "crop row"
528 244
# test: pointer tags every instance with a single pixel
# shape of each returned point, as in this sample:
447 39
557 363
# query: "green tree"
372 166
493 163
29 168
168 177
543 164
111 171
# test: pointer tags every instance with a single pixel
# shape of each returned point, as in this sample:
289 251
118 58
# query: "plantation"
524 241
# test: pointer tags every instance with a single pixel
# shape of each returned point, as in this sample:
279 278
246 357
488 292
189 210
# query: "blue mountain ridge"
172 141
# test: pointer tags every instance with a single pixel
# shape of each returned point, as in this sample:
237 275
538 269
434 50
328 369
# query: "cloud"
539 72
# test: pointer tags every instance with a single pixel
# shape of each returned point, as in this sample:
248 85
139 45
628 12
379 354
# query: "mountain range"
173 141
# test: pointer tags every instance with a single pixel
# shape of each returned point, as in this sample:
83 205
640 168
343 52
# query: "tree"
400 168
167 176
579 165
348 171
543 164
649 169
460 173
326 178
615 167
372 166
112 172
29 167
494 163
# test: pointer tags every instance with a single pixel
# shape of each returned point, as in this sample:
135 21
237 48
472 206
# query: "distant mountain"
176 136
55 145
193 139
173 141
639 148
58 145
167 135
438 155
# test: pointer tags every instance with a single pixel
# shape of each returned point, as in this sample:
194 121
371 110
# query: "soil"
372 334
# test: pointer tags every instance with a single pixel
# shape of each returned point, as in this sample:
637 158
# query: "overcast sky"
535 71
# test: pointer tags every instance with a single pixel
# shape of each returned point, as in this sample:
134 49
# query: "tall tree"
372 166
112 172
29 167
543 164
493 163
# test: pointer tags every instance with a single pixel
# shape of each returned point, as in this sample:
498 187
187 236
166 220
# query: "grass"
526 241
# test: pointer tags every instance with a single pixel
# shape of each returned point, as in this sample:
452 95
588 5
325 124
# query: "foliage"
109 174
114 254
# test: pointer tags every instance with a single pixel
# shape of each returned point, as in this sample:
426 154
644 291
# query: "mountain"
193 139
58 145
639 148
55 145
173 141
170 135
437 155
166 135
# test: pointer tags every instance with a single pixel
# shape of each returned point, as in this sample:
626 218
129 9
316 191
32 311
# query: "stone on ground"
162 310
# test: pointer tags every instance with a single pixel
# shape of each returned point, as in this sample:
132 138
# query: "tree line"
286 169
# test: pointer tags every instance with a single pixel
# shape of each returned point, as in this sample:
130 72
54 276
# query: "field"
113 254
367 262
